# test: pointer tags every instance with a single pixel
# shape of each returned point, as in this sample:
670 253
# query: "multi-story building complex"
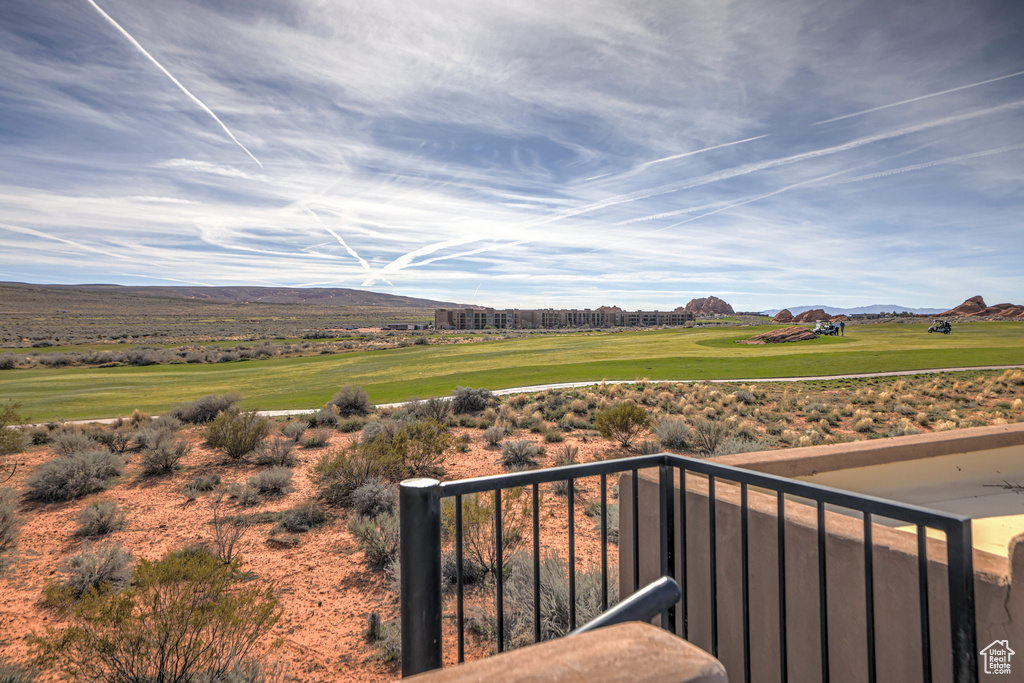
515 319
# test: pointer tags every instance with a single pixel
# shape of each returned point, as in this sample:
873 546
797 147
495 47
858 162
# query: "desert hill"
267 295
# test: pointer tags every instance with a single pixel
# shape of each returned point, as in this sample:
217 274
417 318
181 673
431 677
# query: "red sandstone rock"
783 316
709 306
780 336
973 306
812 316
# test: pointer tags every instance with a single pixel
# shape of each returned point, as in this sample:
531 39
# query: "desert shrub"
472 573
73 476
612 510
864 424
554 436
227 532
478 532
434 408
10 521
648 447
96 568
519 453
276 481
69 441
118 440
205 409
245 495
351 400
202 484
623 423
294 431
494 435
304 517
164 457
374 498
155 432
277 451
731 445
8 361
566 455
422 445
100 518
318 438
325 417
389 642
377 537
237 433
469 400
706 435
337 475
184 618
554 598
352 424
16 673
672 432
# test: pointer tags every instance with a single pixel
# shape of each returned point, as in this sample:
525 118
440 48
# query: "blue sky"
519 153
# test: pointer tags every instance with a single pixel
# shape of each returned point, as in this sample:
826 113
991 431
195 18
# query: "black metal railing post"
960 560
420 524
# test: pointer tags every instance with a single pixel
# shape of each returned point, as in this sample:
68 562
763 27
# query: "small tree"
478 529
351 400
622 423
183 617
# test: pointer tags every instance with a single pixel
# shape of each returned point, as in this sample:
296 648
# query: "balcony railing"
421 548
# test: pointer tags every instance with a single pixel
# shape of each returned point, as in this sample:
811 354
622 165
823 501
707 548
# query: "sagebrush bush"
554 598
69 477
277 451
566 455
118 440
100 517
478 529
469 400
155 432
69 441
318 438
648 447
184 618
374 498
519 453
434 408
731 445
99 568
245 495
201 484
377 537
10 520
16 673
672 432
276 481
205 409
337 475
294 431
304 517
554 436
351 400
623 423
164 457
706 435
237 433
493 435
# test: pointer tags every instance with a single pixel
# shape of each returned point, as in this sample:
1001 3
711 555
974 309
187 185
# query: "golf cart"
942 326
826 327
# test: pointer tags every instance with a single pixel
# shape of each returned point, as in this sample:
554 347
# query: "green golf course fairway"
423 371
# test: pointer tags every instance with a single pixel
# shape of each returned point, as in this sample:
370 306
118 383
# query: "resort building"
552 318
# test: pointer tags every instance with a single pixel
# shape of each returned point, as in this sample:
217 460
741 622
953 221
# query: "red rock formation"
812 316
709 306
973 306
780 336
841 316
1004 310
783 316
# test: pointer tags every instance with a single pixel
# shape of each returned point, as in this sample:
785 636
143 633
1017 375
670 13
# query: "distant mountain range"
874 308
267 295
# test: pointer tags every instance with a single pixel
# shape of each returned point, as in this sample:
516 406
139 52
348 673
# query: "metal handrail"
421 552
644 605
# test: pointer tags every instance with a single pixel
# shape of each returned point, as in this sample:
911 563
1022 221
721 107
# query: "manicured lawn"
397 374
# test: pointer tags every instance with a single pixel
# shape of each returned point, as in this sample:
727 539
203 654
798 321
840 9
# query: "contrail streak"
37 233
350 250
173 79
930 164
698 151
918 99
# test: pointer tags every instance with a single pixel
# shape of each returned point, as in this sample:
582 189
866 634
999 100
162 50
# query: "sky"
520 153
